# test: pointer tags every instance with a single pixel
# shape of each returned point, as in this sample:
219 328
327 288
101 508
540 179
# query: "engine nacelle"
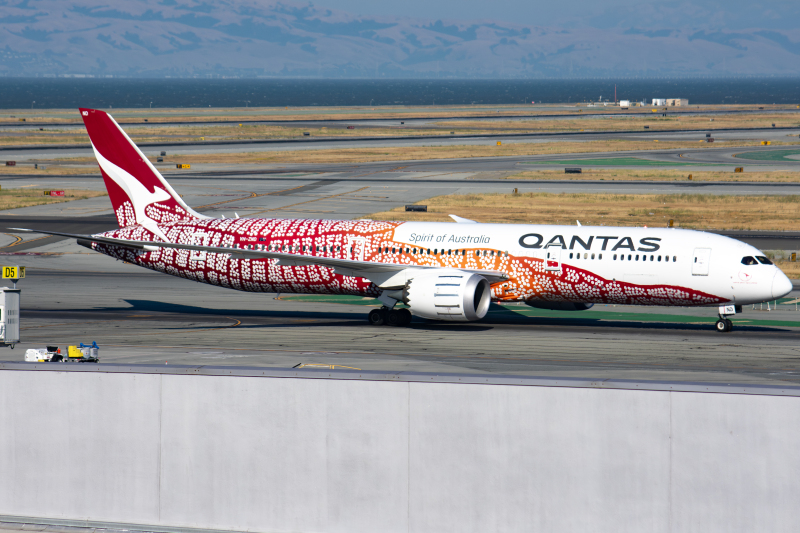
559 306
451 295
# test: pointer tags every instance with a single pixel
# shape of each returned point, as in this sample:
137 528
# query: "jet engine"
449 295
559 306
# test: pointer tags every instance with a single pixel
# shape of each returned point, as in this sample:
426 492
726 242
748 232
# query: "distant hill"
249 38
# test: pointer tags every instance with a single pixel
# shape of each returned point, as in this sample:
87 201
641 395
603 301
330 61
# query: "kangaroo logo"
137 193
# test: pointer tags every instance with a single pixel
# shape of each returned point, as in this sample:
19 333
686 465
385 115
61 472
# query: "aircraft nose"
781 285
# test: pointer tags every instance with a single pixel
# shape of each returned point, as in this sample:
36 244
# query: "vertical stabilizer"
138 192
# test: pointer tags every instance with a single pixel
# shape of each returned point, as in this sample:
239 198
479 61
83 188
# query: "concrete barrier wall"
333 455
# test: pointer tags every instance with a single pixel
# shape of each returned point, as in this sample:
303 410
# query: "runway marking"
184 330
252 195
307 201
24 242
15 242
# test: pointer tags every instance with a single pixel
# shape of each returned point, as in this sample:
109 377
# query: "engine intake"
450 295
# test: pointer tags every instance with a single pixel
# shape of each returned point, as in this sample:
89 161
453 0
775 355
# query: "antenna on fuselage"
579 222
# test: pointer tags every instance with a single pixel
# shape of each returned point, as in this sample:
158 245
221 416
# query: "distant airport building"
677 101
659 101
624 103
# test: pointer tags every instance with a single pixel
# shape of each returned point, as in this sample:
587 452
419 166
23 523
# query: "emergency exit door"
700 261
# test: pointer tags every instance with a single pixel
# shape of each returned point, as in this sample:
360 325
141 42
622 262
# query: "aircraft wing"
382 274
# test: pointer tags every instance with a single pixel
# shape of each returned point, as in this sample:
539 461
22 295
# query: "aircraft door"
700 261
355 248
552 260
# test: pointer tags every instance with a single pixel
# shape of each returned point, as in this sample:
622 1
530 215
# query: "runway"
23 153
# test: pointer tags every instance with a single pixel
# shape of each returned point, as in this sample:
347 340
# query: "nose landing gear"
724 325
389 317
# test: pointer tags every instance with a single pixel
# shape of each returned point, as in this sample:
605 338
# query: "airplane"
439 270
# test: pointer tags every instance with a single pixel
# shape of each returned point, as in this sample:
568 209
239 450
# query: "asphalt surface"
22 153
137 316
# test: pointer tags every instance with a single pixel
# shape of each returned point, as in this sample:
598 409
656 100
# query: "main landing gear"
389 317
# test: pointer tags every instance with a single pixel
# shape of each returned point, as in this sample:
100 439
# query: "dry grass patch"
51 169
693 211
14 198
636 174
415 153
654 122
12 116
790 268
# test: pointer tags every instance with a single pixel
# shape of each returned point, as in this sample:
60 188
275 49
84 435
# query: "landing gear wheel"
377 317
398 317
729 324
394 318
405 316
724 325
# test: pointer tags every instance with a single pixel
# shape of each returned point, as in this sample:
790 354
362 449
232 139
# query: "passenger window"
748 260
394 251
592 256
674 258
637 257
600 256
570 256
763 260
652 257
615 257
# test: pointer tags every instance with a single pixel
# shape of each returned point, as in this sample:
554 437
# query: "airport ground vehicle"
83 353
441 271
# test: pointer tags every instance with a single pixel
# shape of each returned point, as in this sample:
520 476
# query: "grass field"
51 169
571 119
155 115
692 211
648 174
13 198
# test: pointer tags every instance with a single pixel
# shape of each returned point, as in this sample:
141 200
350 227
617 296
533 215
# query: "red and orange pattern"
364 241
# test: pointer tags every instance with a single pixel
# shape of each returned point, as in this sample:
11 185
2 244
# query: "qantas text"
646 244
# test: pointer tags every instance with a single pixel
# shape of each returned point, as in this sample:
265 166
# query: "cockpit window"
763 260
748 260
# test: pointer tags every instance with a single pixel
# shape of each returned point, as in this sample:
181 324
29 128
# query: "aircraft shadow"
497 317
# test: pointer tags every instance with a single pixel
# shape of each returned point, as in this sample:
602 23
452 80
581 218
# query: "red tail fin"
138 192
